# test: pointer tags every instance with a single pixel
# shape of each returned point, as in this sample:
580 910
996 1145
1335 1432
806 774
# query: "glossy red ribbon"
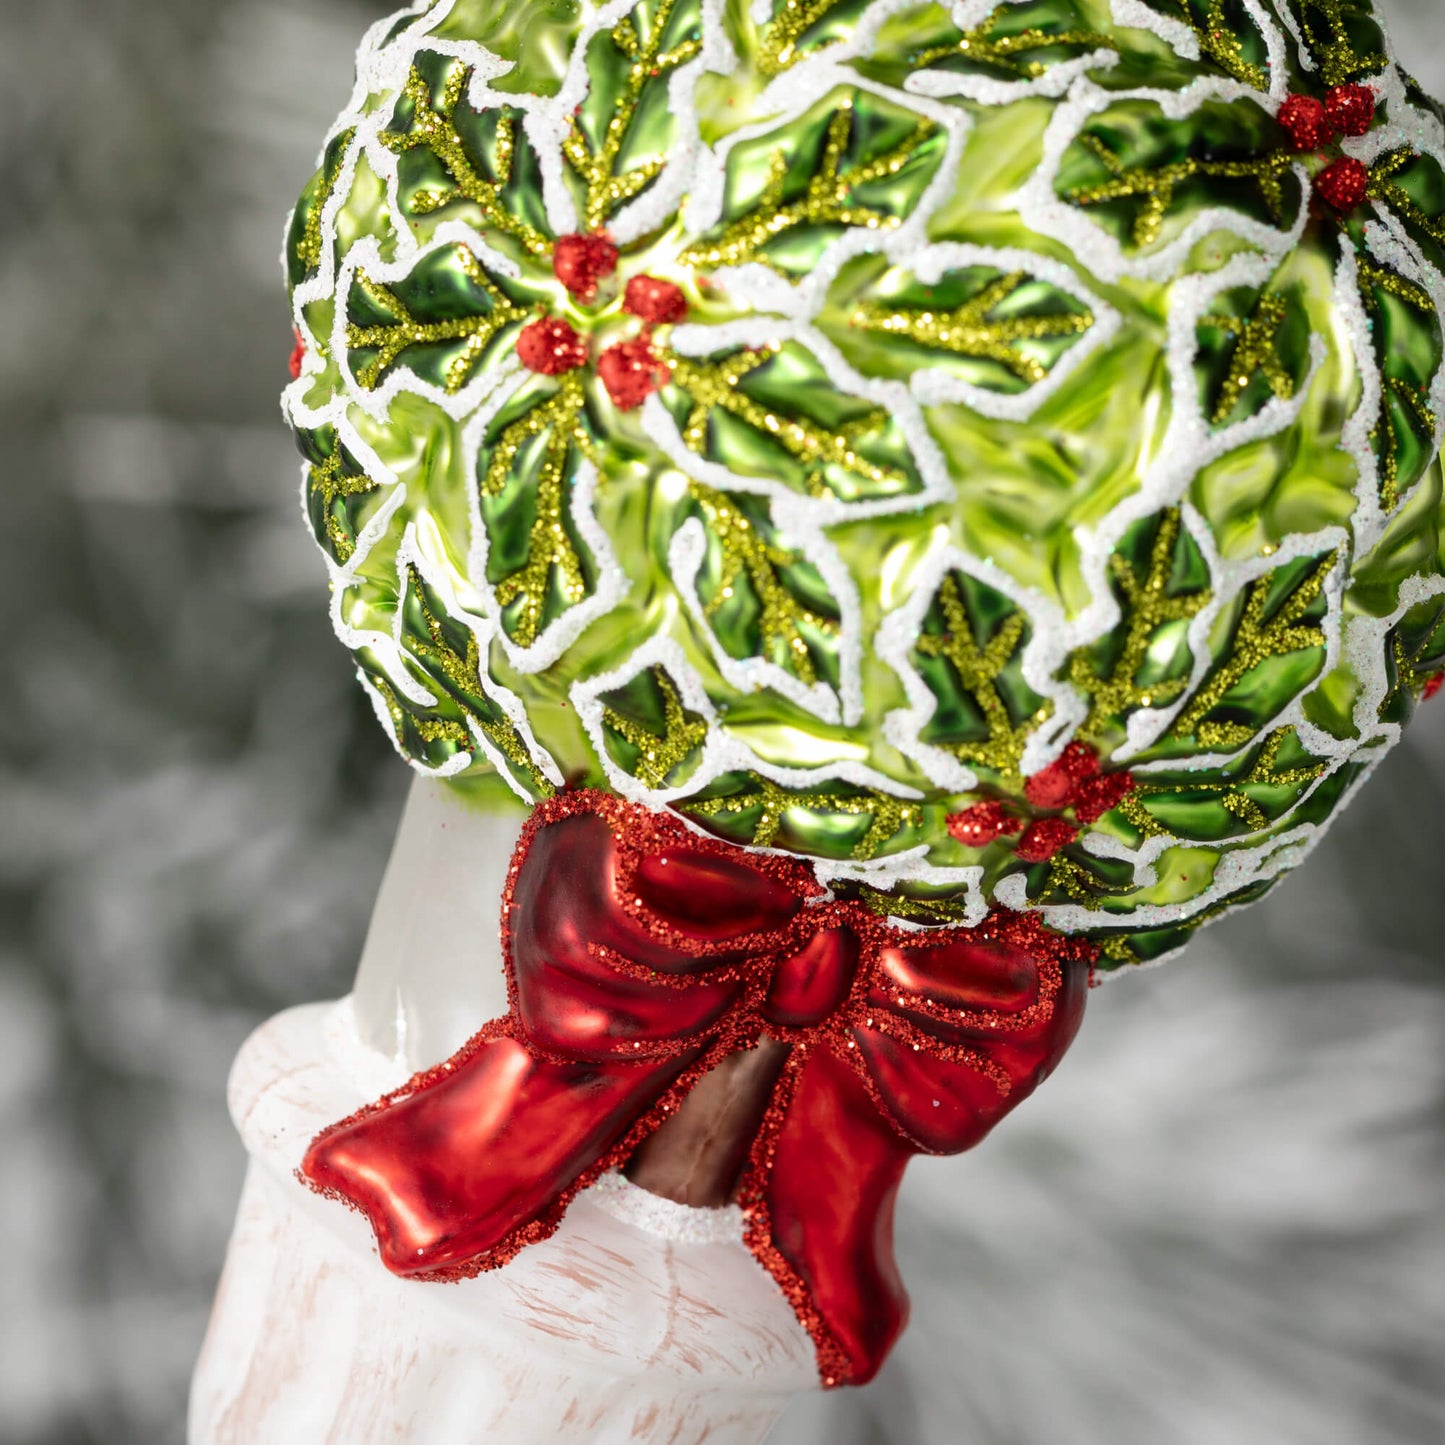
639 955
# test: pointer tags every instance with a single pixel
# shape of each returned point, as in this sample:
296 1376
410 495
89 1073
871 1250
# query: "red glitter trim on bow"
639 956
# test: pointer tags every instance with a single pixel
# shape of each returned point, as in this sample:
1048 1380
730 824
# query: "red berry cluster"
1072 782
1314 124
1433 684
630 370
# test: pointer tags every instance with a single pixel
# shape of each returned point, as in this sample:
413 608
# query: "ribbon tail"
820 1196
479 1157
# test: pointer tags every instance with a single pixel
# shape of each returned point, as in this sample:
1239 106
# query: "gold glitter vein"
968 330
433 130
1217 39
889 815
827 199
1254 353
308 248
332 484
1338 59
1263 772
749 553
683 733
607 187
392 339
463 672
778 47
714 385
1256 640
1155 186
550 544
978 670
1008 52
1147 606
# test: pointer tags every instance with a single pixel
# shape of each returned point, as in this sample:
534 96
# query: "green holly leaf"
763 600
853 159
1229 39
773 412
473 165
1014 44
649 733
340 497
304 241
835 820
1253 345
1405 333
988 326
625 129
1343 38
1144 177
530 460
1160 580
969 654
446 318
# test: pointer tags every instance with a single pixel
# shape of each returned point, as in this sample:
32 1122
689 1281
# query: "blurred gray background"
1224 1221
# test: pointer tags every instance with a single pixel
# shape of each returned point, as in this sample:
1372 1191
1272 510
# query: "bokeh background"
1223 1222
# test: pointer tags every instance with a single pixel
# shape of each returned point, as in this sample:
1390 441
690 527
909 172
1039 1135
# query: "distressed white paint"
639 1320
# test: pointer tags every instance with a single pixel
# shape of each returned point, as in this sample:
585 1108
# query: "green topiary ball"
987 448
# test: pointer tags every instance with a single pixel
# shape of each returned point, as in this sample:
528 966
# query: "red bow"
639 956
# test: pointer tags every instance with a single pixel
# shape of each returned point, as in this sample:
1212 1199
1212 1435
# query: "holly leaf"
1405 333
969 654
304 242
1270 645
773 412
800 28
1143 176
446 317
1014 45
1229 40
1412 184
476 165
761 599
835 820
649 733
1343 38
625 129
1160 580
983 325
1253 346
340 496
531 457
853 159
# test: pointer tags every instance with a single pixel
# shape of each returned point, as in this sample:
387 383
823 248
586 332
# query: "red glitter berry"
659 303
1056 785
1101 795
1041 840
550 346
1351 108
579 262
1307 122
1433 685
1343 183
298 356
981 824
631 372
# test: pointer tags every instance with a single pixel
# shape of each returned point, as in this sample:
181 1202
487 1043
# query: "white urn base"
639 1320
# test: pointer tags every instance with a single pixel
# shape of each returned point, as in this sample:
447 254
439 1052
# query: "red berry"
298 356
1101 795
1351 108
550 346
1433 685
1041 840
1056 785
1343 183
631 371
580 262
1307 122
659 303
981 824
